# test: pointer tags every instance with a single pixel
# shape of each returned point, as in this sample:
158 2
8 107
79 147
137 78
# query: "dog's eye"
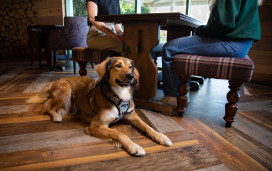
130 67
118 66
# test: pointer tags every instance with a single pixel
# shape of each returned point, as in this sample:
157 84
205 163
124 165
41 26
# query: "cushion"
214 67
91 55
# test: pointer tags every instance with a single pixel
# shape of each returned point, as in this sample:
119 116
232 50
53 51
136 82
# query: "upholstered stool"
82 55
236 70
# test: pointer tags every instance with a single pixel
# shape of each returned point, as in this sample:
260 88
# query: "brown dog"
101 102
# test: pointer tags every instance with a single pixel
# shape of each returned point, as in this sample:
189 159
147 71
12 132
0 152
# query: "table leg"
141 37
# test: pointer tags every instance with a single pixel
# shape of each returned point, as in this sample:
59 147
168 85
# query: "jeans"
196 45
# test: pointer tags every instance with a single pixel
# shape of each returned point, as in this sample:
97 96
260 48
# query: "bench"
82 55
236 70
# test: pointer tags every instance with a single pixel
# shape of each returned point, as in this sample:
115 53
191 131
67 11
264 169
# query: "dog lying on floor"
101 102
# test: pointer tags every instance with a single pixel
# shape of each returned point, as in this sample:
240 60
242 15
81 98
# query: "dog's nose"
130 76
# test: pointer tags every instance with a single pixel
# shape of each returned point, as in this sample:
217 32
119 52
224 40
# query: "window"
200 10
127 7
79 8
163 6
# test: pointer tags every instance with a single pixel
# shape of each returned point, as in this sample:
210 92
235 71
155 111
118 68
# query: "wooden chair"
236 70
36 43
73 34
82 55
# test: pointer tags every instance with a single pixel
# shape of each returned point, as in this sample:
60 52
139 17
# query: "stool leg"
183 89
231 107
82 70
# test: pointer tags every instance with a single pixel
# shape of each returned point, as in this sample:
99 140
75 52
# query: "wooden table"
44 38
141 35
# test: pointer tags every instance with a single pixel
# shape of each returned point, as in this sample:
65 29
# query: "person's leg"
99 40
103 41
196 45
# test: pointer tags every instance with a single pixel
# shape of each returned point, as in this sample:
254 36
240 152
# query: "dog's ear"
103 69
136 75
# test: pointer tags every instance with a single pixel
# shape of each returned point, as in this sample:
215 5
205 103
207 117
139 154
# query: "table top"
167 19
34 26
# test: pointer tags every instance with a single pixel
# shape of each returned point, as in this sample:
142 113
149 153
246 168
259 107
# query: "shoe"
173 100
170 100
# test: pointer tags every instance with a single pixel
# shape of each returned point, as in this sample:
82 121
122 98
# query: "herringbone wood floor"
30 141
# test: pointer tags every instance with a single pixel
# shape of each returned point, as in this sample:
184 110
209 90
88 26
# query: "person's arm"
92 12
222 18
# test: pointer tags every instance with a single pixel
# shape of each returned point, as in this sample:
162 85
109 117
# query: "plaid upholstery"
214 67
91 55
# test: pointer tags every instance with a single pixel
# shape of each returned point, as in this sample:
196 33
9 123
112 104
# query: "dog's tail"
42 97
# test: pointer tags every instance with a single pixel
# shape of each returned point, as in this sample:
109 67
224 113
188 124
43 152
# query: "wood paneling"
265 58
50 12
261 52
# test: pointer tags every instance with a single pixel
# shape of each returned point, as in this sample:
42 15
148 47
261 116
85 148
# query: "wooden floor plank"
13 101
259 152
78 150
255 98
259 105
219 147
220 167
9 75
43 140
261 117
257 89
39 83
39 126
14 109
157 119
187 158
91 159
22 81
259 134
8 85
27 117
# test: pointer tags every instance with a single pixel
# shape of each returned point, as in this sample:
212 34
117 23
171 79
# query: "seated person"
108 36
232 27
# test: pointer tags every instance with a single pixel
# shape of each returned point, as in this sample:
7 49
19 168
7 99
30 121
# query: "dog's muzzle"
128 81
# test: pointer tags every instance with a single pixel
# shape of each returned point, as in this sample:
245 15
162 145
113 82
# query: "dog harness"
121 105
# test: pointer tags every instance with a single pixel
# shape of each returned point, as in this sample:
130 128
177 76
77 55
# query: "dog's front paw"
57 118
136 150
87 130
164 140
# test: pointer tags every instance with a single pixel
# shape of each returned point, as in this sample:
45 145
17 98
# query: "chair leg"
92 65
40 57
66 52
33 56
231 107
82 70
182 99
74 66
53 61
